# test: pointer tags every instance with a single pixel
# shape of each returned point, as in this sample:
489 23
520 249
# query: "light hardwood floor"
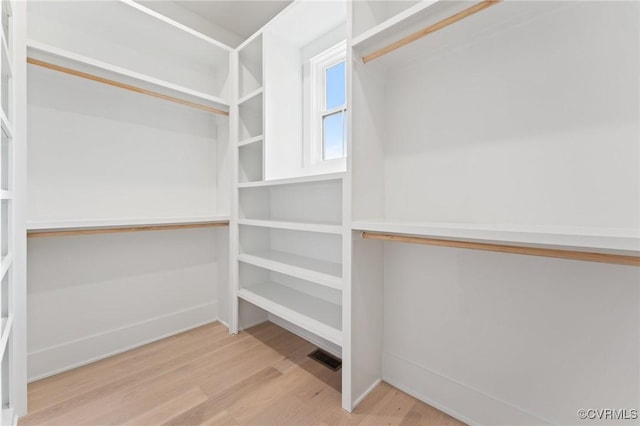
206 376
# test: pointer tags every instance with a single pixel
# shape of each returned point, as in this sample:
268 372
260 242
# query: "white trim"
76 353
452 397
366 393
314 110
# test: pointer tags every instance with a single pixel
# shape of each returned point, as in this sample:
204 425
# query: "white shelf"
5 264
5 54
175 24
7 327
310 313
428 12
250 96
61 57
5 195
614 240
294 226
118 223
6 125
318 271
291 181
249 141
391 23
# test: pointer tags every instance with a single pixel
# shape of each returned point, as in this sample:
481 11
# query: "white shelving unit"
12 266
491 131
291 241
185 58
60 57
129 130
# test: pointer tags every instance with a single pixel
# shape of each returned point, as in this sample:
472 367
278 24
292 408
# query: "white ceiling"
242 17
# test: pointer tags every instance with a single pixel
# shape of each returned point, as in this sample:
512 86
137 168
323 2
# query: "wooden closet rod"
531 251
123 86
430 29
114 230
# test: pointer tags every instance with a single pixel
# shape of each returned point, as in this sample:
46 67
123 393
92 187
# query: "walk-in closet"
310 212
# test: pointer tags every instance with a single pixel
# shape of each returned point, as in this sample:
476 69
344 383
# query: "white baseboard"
365 394
452 397
68 355
324 344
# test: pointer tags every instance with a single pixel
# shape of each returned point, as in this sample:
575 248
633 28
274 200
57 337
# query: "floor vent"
326 359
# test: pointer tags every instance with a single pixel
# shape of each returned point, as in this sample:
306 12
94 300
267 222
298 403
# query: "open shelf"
183 57
7 326
250 66
314 270
584 239
380 18
250 96
67 59
6 125
291 181
294 226
250 141
424 14
5 264
310 313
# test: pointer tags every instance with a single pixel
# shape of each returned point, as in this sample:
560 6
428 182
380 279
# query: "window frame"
318 65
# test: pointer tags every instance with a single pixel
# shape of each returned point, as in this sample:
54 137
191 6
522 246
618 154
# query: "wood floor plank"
205 377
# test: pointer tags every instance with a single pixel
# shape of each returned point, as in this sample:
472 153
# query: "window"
326 141
334 112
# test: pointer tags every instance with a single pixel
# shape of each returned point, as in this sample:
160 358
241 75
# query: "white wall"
92 296
510 339
531 125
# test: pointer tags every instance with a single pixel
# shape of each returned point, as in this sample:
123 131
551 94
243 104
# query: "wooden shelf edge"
507 248
40 233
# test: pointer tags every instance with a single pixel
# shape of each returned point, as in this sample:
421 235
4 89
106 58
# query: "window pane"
335 86
333 135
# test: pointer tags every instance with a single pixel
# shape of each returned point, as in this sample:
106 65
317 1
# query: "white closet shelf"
7 327
294 226
249 141
434 27
60 57
292 181
5 264
6 125
250 96
6 59
318 271
184 28
313 314
383 29
6 195
606 240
